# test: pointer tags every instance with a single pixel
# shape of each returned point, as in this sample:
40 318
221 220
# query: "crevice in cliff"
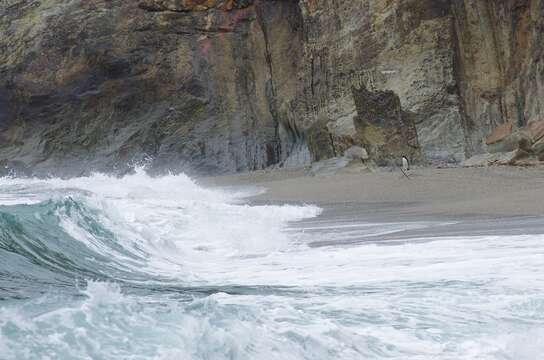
333 147
273 152
268 54
266 12
466 122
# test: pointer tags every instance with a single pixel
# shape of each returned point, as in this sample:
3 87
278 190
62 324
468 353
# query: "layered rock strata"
234 85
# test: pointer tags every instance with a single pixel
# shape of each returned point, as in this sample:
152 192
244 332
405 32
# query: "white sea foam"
265 293
173 221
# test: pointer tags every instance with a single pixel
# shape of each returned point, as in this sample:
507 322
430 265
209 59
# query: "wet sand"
490 192
449 202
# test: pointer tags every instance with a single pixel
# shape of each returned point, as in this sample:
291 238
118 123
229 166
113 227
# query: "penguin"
405 163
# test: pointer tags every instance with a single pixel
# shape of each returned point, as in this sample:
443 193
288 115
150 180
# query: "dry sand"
488 192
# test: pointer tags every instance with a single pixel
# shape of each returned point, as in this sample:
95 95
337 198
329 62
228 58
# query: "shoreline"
436 192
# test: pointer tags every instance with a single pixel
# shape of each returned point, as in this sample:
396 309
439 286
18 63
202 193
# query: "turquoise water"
160 268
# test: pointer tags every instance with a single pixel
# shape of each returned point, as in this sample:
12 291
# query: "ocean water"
160 268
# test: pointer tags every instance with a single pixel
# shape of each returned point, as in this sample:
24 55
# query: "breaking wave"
160 268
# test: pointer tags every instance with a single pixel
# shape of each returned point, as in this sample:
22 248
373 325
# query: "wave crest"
134 228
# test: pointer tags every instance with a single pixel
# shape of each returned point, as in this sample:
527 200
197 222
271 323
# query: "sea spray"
144 267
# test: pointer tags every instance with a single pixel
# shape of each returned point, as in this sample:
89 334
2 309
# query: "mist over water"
161 268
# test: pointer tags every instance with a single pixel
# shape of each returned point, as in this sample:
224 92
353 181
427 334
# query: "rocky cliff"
234 85
500 68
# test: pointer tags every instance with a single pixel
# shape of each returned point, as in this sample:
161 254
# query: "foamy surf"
160 268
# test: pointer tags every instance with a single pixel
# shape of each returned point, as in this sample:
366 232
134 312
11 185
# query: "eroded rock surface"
501 64
383 128
91 84
232 85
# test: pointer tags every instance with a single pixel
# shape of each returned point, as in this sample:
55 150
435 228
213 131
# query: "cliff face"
500 65
99 84
399 46
232 85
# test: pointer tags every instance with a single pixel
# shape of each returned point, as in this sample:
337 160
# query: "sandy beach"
487 192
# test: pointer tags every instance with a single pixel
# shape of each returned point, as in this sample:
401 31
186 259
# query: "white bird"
405 164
